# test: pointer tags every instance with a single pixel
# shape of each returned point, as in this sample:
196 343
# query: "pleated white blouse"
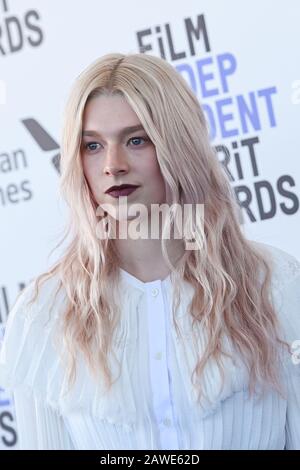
153 403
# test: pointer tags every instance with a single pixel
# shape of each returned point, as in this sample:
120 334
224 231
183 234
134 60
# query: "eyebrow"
123 132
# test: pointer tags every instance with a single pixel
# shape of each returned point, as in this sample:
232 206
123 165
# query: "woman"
152 342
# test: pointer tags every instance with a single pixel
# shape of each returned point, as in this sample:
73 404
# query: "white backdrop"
242 60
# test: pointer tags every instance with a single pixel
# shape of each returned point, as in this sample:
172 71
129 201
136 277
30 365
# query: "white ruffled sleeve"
24 367
291 307
39 427
286 293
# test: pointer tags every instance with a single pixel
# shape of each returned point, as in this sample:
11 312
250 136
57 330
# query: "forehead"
108 112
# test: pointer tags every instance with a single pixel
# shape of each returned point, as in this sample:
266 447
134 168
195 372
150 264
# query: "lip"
123 190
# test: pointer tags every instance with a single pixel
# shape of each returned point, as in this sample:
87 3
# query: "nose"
115 162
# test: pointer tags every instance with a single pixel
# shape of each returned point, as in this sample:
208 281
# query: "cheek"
89 171
92 179
152 167
154 175
158 175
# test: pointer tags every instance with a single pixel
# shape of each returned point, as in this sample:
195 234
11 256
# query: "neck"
143 258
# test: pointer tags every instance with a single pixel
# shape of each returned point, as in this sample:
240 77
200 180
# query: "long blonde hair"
230 275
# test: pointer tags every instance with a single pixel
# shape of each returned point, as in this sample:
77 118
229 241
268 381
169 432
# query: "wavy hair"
231 276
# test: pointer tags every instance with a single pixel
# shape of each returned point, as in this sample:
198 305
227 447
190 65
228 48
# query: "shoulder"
285 289
27 345
39 306
285 267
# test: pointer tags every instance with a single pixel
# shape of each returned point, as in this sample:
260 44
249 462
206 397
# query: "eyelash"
86 145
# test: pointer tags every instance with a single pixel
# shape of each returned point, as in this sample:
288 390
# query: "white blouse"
153 403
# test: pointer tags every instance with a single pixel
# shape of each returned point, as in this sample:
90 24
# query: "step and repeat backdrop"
242 59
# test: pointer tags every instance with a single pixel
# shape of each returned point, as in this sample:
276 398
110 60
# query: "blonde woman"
152 342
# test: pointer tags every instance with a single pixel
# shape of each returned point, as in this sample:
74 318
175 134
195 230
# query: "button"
154 292
167 422
158 355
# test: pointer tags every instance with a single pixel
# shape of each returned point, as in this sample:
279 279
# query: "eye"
89 146
137 139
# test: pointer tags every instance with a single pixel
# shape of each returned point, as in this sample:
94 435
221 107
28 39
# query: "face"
113 155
